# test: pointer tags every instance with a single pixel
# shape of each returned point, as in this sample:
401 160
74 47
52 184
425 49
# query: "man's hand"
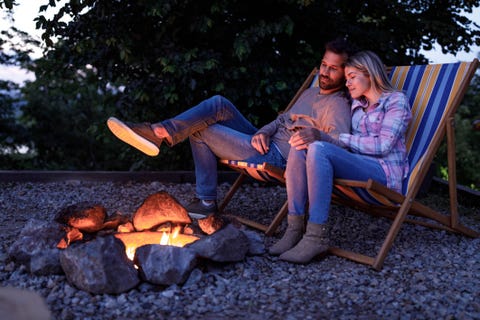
261 143
304 136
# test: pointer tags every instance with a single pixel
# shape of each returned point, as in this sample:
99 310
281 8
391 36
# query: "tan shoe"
138 135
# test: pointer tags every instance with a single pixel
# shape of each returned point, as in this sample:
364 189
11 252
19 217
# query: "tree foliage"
466 140
149 60
8 4
15 49
12 133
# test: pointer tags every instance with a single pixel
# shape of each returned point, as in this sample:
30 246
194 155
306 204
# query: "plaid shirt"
380 134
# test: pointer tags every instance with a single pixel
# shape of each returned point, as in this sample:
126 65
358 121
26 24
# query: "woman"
374 149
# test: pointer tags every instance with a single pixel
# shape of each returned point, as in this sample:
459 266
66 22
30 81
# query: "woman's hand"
304 136
261 142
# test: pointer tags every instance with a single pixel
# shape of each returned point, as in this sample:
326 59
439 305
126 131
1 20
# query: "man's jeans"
310 176
216 129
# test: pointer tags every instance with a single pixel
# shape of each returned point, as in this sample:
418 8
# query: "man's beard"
326 83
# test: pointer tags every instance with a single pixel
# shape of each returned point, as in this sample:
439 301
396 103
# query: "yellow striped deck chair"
435 92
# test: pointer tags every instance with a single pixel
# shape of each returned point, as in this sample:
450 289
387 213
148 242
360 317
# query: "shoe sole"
127 135
196 215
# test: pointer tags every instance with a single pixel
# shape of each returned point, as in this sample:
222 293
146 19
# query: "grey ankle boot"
293 234
314 242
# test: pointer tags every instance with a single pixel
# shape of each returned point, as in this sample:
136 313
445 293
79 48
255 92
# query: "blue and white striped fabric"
254 170
432 90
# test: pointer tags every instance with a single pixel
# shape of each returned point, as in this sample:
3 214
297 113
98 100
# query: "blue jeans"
310 174
216 129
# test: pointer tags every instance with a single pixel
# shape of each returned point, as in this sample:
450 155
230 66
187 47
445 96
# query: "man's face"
332 76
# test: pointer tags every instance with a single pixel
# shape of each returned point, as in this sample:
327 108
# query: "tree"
7 3
169 55
467 147
15 49
12 134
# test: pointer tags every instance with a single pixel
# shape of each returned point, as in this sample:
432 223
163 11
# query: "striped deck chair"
435 92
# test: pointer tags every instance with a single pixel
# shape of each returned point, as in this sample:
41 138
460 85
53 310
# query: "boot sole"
127 135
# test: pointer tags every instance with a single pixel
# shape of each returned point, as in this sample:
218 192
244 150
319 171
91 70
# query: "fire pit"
98 253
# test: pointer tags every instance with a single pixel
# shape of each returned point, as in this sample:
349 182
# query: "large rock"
35 247
165 265
46 263
158 209
99 266
256 242
211 224
84 216
226 245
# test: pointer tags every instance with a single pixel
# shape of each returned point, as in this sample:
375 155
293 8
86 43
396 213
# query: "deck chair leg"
231 192
277 220
392 234
452 172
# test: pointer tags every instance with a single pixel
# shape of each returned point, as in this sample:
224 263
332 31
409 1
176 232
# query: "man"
216 129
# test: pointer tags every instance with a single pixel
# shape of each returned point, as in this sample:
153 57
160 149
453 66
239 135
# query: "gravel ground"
428 274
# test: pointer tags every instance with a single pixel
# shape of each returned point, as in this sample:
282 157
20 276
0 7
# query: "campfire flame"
167 237
133 240
130 252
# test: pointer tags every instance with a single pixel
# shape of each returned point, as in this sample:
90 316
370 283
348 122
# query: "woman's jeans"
310 174
216 129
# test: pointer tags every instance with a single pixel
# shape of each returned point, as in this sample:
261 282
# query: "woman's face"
357 83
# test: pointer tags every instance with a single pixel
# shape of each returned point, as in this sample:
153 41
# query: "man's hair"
340 46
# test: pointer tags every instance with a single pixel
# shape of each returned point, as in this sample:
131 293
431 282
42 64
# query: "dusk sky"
25 12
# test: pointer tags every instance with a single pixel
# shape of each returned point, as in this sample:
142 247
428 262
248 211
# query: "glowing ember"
133 240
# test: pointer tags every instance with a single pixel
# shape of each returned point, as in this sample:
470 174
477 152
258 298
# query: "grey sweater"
327 112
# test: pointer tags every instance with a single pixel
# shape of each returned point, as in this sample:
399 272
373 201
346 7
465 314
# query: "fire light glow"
133 240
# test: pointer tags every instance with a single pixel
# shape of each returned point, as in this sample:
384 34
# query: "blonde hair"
371 66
